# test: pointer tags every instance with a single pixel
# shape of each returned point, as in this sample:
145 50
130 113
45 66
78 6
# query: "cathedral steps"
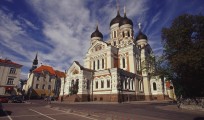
72 98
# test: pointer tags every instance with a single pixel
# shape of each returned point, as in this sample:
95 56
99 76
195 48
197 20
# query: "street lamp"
128 95
119 87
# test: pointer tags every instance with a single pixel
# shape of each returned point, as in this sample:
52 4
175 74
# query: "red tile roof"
9 62
60 74
45 68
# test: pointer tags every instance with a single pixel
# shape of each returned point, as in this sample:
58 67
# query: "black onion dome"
97 33
117 19
125 20
141 36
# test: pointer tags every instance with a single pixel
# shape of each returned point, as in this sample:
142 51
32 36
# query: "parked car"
47 98
1 109
4 99
15 99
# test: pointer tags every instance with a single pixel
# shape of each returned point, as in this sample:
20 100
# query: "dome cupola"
140 34
117 19
97 33
125 20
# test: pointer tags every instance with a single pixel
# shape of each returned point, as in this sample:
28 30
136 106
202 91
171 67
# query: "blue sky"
60 29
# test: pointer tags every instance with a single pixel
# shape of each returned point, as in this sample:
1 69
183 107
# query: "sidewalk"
126 102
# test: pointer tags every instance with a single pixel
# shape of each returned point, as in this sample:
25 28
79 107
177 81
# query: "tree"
183 44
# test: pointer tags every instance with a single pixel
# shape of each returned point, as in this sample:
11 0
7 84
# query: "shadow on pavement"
199 118
5 113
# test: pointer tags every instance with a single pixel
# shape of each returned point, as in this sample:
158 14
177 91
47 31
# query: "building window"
102 63
96 84
94 65
123 62
37 86
154 86
49 87
43 87
129 84
114 43
114 34
125 84
38 77
132 84
12 70
10 81
98 64
87 84
108 83
128 33
50 79
140 85
102 84
123 34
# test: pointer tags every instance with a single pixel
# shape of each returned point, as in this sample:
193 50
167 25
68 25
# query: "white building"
43 81
119 69
9 77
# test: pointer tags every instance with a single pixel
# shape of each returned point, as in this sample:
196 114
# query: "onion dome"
97 33
117 19
141 36
125 20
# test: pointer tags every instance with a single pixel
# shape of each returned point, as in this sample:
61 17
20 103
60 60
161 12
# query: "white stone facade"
118 69
9 77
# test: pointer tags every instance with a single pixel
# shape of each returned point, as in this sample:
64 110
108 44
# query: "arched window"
123 62
128 33
94 65
140 85
96 84
49 87
114 43
132 84
98 64
123 34
102 84
115 34
125 84
87 84
154 86
102 63
108 83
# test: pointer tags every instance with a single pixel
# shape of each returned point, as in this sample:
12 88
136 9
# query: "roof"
44 68
117 19
60 74
9 62
97 33
83 68
125 20
141 36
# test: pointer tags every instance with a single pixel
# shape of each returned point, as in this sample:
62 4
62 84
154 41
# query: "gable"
74 69
97 46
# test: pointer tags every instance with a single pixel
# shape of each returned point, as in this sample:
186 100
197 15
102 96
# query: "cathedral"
115 70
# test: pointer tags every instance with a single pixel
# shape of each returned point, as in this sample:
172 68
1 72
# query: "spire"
35 63
124 12
139 26
118 7
36 57
96 25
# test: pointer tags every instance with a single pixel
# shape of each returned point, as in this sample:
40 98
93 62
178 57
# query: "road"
40 110
23 111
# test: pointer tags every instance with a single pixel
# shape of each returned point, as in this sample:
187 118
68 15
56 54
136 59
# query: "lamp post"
128 95
119 87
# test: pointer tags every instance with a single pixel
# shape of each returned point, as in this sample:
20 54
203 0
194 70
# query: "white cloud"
67 25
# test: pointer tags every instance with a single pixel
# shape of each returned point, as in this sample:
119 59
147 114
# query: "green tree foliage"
183 44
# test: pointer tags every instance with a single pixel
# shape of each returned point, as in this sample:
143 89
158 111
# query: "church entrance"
74 87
